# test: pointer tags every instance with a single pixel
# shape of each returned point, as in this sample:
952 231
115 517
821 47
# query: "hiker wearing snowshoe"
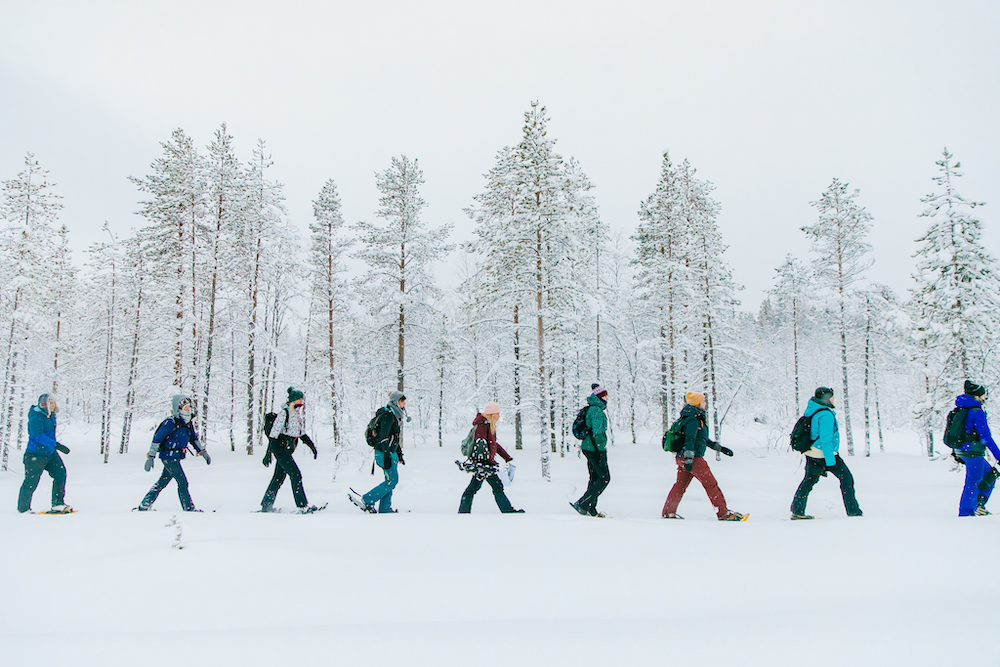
980 477
691 462
594 447
42 455
823 456
170 442
283 437
388 454
485 467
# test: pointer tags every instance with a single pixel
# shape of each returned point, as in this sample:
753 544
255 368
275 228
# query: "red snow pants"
703 474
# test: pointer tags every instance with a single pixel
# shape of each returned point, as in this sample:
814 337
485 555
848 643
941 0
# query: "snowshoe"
312 509
672 515
60 509
579 510
802 517
982 511
360 503
735 516
140 508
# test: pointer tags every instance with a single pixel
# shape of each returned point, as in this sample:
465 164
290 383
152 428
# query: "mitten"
401 461
267 459
688 460
386 460
725 450
208 459
148 465
62 448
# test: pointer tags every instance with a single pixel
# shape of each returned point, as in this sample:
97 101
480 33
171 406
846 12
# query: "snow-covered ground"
908 584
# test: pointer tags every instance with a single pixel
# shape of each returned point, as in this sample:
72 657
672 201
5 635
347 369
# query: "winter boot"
66 509
734 516
982 511
672 515
802 517
579 510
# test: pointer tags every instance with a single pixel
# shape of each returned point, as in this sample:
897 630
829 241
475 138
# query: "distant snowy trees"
218 296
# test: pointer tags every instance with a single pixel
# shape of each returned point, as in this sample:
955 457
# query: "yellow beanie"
694 398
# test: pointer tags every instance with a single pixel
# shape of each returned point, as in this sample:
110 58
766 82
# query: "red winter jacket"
483 432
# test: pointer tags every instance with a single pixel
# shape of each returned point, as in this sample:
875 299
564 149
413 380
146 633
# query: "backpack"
673 439
580 428
801 438
954 429
371 431
468 442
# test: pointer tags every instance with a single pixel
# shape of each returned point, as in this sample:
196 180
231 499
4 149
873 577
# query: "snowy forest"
220 296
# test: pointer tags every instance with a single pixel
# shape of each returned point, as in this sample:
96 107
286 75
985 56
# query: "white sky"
769 100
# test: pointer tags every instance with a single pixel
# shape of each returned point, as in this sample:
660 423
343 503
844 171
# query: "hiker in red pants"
691 462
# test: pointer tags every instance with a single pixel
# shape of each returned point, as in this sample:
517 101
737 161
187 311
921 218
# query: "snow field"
549 587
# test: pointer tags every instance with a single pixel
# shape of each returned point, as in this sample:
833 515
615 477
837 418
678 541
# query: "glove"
401 461
725 450
386 460
267 459
62 448
309 443
208 459
688 460
148 465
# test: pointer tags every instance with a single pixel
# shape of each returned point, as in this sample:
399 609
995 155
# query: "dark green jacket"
597 422
696 431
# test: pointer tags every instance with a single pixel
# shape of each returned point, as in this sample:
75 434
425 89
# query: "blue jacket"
825 430
976 421
41 432
173 437
597 422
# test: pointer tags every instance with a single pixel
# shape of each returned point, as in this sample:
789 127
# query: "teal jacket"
824 431
597 422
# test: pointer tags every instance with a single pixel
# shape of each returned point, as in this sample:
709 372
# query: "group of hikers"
816 435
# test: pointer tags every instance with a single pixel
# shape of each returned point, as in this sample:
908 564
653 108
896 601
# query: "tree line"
217 295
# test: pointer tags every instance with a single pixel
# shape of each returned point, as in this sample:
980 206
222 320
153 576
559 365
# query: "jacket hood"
593 400
966 401
479 419
813 406
691 411
175 404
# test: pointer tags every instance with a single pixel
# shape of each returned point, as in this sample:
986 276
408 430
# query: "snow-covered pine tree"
30 256
955 302
103 286
328 289
176 213
134 261
664 276
792 296
399 254
838 238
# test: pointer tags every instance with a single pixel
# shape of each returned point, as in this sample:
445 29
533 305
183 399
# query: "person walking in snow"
980 477
388 453
485 423
594 447
171 441
691 462
283 437
823 457
42 455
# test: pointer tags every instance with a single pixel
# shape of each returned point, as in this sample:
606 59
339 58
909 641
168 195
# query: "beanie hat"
491 408
973 389
595 385
294 395
600 392
694 398
822 392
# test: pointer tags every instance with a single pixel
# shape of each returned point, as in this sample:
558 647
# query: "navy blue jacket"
173 436
975 420
41 432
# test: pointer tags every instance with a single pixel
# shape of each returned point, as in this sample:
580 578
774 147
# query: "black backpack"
954 428
580 428
801 438
371 431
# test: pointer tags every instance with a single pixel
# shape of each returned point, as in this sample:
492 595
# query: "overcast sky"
768 100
